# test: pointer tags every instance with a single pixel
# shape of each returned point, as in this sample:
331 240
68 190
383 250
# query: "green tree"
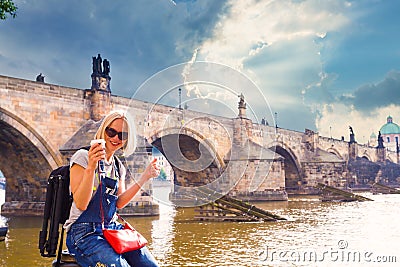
7 7
162 175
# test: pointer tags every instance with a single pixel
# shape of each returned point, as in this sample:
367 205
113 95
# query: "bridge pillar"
100 103
242 131
353 150
310 140
262 175
381 154
99 95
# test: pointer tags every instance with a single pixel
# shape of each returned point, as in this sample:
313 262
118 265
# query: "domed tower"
373 141
390 134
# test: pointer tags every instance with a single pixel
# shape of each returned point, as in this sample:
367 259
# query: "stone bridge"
41 124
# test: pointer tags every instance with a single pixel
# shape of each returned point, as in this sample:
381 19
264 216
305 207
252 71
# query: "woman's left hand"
152 170
124 196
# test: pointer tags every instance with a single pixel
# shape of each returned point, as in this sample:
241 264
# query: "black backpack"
56 210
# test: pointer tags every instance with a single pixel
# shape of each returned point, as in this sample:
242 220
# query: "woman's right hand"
96 153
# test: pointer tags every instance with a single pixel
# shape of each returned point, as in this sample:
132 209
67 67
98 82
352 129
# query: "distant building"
163 163
391 134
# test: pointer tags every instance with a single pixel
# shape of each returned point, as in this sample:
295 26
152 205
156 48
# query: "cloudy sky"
321 65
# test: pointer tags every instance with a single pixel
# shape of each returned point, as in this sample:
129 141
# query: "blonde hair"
130 144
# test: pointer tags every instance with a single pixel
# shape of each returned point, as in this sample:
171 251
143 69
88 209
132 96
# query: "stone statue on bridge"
101 74
40 78
97 65
242 106
264 121
352 135
380 141
242 103
106 67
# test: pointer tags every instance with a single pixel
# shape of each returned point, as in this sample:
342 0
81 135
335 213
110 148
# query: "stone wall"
51 112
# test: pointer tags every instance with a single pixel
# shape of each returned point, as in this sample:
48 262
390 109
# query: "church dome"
390 127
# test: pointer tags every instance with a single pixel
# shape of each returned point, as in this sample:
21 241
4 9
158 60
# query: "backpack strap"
117 165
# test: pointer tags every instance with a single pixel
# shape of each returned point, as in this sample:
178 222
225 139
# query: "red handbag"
126 239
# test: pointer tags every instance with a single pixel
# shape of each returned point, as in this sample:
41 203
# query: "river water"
316 234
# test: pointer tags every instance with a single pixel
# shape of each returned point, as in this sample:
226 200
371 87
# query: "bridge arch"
195 161
293 174
195 135
366 156
25 158
335 152
389 158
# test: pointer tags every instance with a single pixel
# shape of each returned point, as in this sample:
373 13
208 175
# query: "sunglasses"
112 132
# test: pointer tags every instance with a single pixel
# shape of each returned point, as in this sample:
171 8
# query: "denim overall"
85 239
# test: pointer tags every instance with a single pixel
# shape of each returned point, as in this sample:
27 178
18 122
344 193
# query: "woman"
91 206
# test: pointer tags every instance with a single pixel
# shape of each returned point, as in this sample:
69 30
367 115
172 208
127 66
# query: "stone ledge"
26 208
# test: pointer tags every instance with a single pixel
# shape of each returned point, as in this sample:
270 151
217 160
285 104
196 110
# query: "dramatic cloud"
319 64
278 44
370 97
139 38
285 46
365 110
